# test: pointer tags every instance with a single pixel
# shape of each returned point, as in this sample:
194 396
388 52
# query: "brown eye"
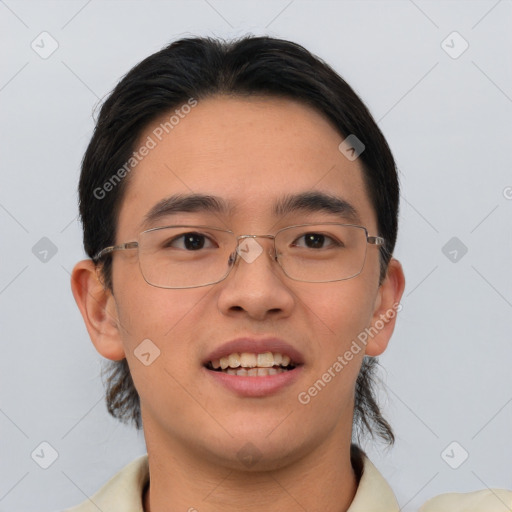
317 241
188 241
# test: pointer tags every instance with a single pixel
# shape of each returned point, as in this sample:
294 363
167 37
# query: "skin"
250 152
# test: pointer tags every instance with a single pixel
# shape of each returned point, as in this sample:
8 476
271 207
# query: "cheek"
147 312
340 311
159 327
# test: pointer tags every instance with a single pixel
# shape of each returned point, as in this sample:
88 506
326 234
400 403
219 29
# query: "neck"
324 480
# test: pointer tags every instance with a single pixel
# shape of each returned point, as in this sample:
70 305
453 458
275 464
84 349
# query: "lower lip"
255 386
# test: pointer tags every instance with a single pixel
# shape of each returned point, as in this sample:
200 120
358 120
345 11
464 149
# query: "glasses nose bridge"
241 238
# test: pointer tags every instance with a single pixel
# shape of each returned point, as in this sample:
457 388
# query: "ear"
387 305
98 308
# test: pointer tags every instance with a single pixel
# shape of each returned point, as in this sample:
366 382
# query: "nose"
256 285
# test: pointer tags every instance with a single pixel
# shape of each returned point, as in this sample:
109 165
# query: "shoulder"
488 500
122 492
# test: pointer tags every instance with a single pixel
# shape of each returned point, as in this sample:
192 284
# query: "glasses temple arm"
112 248
375 240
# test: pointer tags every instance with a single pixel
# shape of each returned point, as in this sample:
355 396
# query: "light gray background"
448 123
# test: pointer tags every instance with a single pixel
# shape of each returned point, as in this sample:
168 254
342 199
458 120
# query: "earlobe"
97 306
387 305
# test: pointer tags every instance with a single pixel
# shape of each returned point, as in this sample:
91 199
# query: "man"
239 207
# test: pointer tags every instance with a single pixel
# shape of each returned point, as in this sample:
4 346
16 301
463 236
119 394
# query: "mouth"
254 367
249 364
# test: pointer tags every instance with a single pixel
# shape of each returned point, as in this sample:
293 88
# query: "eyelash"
333 242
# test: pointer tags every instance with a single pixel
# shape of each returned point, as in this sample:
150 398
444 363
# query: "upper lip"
256 346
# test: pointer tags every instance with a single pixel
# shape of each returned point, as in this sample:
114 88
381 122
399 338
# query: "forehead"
253 152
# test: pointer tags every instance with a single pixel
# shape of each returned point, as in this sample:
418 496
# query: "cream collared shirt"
123 493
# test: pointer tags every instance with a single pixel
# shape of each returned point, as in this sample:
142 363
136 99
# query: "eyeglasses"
185 256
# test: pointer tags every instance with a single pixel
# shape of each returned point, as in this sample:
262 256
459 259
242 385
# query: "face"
250 153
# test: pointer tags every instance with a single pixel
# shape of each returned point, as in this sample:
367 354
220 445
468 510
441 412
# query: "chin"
257 451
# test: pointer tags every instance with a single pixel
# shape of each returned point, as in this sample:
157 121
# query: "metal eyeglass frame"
372 240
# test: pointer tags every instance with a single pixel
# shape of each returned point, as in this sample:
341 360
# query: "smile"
247 364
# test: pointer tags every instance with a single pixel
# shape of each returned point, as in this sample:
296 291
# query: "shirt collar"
124 490
373 492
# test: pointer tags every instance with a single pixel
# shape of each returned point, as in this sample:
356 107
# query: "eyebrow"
180 203
311 202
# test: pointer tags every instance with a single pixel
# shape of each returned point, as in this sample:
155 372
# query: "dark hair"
203 67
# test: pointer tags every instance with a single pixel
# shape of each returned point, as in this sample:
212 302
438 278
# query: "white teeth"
234 360
254 372
248 360
251 364
266 360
